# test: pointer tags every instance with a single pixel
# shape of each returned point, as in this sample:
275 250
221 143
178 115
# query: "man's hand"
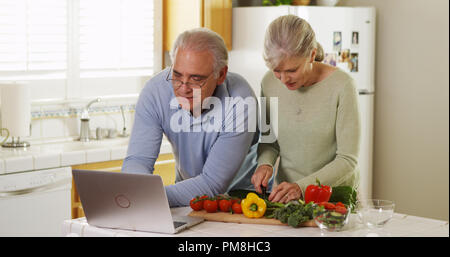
261 177
285 192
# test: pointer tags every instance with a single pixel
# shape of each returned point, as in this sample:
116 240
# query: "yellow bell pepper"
253 206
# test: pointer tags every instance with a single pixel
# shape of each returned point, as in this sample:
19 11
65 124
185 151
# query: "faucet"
124 130
84 129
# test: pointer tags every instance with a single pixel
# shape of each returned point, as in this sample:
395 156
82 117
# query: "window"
118 37
80 48
33 37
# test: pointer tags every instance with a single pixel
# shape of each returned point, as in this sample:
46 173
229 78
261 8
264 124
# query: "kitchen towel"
16 108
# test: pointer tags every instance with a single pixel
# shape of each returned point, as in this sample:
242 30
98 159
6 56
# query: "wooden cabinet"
181 15
164 166
218 17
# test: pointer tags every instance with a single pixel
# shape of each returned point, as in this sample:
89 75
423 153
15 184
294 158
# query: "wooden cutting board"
240 218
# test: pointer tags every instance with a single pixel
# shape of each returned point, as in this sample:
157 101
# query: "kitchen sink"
80 146
106 143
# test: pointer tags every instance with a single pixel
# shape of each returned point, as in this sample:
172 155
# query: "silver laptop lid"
124 200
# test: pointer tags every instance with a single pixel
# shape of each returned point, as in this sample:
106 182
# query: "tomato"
340 204
236 207
235 200
327 205
225 205
341 210
218 198
210 205
196 204
203 197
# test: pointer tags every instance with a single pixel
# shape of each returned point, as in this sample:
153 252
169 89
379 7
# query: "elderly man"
207 114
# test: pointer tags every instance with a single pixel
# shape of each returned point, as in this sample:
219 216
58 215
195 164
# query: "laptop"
128 201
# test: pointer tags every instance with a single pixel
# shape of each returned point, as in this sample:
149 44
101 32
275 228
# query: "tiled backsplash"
54 121
76 112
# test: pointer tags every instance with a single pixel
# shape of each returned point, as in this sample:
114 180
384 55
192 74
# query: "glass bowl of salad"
331 216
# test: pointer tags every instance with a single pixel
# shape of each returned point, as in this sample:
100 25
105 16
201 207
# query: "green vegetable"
293 213
276 2
344 194
271 207
336 214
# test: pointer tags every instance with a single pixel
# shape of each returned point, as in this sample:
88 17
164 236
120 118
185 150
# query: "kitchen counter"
400 225
36 182
62 153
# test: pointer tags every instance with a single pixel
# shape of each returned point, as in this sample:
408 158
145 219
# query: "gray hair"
289 36
201 39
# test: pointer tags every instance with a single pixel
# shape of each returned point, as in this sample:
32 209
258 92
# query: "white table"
401 225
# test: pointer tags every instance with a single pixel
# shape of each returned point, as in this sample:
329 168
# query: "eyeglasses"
192 83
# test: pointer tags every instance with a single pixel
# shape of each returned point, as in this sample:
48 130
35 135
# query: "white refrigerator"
347 35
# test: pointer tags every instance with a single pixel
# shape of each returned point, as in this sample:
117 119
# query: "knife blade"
264 192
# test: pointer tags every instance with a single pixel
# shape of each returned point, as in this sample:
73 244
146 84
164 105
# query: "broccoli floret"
282 215
308 210
293 213
294 219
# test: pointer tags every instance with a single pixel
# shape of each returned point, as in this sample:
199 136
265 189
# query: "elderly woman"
318 118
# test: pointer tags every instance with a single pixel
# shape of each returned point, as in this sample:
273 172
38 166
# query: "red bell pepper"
317 193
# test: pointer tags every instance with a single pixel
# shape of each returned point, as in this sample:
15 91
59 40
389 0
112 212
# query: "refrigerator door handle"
365 92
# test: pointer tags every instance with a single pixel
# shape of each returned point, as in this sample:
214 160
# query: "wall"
411 163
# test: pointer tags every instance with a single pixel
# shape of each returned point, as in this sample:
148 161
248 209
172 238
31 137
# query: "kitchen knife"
264 192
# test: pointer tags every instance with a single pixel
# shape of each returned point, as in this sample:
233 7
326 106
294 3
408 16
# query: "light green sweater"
318 131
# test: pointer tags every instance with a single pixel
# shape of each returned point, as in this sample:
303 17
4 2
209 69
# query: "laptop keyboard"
178 224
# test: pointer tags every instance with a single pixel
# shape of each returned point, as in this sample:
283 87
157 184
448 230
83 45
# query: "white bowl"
327 2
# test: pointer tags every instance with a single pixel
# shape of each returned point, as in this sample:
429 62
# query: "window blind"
33 35
112 38
116 35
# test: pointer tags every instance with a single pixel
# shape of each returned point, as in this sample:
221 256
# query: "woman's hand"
261 177
285 192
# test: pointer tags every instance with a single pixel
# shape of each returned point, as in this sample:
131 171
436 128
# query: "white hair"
201 39
288 36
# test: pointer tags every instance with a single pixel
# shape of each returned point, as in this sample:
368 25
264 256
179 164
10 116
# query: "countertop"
401 225
65 152
45 155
